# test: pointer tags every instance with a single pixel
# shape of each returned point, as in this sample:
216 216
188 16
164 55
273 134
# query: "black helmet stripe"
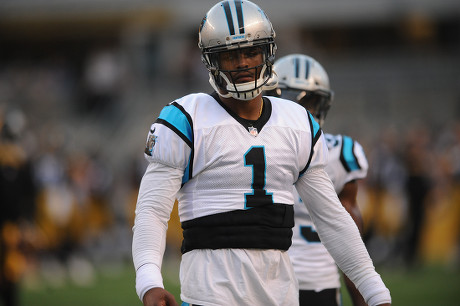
307 69
228 15
296 67
239 14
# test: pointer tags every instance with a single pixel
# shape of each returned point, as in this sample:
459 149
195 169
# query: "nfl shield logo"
253 131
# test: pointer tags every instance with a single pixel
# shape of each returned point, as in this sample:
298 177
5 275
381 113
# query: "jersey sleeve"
170 138
155 202
353 159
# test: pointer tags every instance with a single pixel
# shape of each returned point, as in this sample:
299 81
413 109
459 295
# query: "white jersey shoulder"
347 161
314 267
201 137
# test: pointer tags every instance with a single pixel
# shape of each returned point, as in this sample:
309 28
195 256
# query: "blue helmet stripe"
228 15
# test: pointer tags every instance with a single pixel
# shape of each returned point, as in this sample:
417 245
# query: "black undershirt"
259 123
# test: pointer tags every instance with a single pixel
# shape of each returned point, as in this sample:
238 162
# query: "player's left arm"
355 163
348 198
337 230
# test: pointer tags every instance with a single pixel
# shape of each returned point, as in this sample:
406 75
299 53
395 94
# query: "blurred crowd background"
81 82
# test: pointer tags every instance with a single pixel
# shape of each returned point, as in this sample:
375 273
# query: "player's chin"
242 80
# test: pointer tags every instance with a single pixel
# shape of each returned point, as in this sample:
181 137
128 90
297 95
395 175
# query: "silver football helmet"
233 25
303 80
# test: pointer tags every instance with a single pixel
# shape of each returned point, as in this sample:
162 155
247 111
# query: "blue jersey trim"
315 135
187 172
178 120
347 156
315 124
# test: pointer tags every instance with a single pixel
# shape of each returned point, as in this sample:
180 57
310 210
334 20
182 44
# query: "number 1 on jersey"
255 158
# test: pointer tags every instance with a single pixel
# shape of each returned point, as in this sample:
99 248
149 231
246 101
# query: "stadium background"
81 81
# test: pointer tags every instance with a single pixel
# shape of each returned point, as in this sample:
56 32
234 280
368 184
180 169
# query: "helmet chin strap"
272 82
216 88
245 91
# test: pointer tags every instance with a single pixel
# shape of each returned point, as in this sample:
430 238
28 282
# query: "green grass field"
432 285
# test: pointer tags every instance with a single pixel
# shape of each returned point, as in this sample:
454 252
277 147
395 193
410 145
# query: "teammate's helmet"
233 25
303 80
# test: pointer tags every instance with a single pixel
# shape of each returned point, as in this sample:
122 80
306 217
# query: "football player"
304 80
231 159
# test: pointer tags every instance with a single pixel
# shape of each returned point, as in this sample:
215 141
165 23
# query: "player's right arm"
168 150
155 203
158 296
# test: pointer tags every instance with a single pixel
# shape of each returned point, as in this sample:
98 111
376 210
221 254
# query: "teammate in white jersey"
305 81
231 159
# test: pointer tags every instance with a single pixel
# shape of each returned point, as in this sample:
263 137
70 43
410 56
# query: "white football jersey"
314 267
236 195
235 166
